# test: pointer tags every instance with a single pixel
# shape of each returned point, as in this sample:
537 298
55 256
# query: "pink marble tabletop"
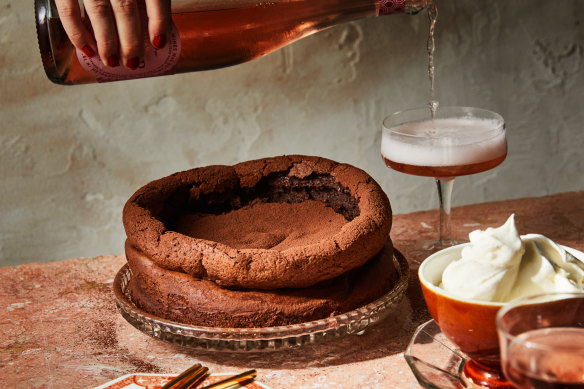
60 326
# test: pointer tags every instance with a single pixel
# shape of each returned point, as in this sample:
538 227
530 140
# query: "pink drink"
442 148
559 365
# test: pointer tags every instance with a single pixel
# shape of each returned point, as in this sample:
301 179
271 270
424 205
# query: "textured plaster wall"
71 156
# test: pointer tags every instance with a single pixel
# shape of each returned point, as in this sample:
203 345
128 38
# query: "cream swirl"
499 265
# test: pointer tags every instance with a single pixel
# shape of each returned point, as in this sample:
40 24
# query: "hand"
117 28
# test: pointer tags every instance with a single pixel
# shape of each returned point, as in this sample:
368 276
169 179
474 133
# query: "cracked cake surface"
273 223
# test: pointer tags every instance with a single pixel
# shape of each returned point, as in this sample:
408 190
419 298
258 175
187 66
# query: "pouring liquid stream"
432 16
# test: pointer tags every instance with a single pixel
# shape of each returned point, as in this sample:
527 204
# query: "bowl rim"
444 293
439 291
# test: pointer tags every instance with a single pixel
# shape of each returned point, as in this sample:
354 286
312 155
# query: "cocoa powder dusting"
103 334
260 225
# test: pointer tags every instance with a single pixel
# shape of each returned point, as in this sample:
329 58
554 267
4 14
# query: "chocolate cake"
182 298
274 223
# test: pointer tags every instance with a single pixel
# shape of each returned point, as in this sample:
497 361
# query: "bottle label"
388 7
156 62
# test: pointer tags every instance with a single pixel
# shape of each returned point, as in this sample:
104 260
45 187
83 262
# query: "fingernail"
88 51
133 63
159 41
113 61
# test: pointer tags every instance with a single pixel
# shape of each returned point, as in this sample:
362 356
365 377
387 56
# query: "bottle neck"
411 7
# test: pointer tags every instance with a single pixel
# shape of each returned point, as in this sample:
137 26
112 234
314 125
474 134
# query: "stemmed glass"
447 143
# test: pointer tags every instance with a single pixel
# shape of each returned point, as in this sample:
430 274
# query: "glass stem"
444 186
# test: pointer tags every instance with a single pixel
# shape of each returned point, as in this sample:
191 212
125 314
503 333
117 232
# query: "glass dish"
265 338
434 360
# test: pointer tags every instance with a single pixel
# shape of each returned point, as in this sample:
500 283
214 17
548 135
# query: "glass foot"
485 376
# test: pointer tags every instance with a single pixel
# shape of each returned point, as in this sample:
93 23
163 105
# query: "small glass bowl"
434 360
264 338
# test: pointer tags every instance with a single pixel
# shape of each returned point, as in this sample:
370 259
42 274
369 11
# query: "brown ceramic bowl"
469 324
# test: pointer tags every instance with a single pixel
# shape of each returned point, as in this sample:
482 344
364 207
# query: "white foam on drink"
445 142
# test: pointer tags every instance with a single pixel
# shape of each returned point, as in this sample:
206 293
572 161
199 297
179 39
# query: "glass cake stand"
264 338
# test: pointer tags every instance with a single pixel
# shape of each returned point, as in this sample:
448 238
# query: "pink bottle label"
388 7
156 62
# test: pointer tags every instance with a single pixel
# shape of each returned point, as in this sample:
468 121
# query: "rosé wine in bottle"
208 34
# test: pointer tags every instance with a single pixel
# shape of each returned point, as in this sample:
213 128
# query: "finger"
104 29
70 15
127 17
158 21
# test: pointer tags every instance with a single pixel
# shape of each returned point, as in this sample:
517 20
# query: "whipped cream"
499 265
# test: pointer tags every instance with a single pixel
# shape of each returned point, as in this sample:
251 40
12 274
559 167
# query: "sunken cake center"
261 225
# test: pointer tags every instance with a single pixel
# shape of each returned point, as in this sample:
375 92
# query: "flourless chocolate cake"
293 237
170 220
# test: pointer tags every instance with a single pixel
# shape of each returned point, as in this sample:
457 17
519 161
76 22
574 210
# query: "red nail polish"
133 63
113 61
88 51
159 41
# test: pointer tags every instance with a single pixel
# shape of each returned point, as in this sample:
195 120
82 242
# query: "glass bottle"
207 34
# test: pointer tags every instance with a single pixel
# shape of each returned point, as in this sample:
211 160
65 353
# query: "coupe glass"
453 142
542 341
